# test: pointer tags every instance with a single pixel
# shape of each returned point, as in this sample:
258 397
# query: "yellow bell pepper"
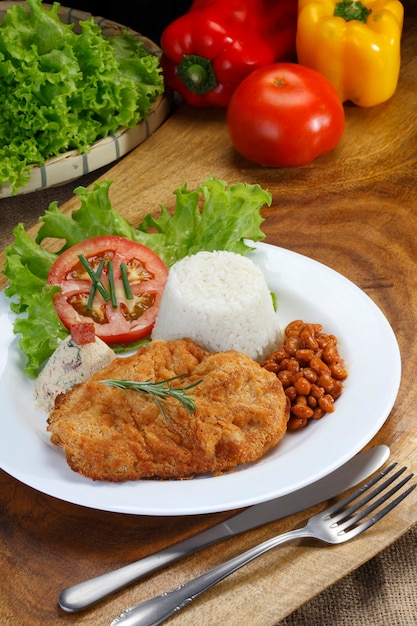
355 45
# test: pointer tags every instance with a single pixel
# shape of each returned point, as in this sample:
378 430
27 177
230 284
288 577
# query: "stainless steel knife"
357 469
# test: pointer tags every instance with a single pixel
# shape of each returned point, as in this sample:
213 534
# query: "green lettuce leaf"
94 218
212 217
40 330
27 267
61 91
228 216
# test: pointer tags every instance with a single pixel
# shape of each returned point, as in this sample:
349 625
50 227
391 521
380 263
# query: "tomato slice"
121 312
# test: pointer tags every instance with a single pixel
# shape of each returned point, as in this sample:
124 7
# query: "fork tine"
370 495
352 520
353 532
341 504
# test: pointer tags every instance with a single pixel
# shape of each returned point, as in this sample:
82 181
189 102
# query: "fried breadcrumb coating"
117 435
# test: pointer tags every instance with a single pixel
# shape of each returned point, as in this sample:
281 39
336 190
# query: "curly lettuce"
61 91
212 217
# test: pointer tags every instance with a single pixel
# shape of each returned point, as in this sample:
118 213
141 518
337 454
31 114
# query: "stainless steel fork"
336 524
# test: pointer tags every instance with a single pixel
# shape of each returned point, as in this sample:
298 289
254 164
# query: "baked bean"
302 386
293 366
294 328
296 423
285 377
318 365
297 375
302 410
291 393
337 389
292 344
330 354
327 403
316 391
312 329
285 363
308 341
338 371
326 381
271 366
309 374
304 355
281 354
311 371
322 340
300 399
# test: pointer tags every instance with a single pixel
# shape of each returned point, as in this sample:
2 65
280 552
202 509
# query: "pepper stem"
352 10
197 74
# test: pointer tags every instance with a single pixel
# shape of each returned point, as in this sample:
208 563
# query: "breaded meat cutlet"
117 435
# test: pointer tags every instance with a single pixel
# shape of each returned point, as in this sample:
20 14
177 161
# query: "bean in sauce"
311 371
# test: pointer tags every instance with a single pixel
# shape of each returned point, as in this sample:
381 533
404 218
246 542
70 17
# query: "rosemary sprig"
159 391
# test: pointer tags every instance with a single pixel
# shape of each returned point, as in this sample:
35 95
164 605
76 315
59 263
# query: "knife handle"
84 594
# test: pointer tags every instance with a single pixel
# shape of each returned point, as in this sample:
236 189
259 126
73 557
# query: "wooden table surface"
354 210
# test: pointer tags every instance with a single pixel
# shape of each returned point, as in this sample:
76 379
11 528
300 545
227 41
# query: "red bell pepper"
208 51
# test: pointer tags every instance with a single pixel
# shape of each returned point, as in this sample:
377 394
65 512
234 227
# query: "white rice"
221 301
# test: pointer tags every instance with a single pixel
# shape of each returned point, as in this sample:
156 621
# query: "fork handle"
156 610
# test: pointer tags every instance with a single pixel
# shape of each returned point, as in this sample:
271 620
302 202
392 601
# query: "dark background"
147 17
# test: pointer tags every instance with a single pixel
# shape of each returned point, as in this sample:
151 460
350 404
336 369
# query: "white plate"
306 290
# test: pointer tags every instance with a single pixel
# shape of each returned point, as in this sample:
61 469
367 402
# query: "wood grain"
354 210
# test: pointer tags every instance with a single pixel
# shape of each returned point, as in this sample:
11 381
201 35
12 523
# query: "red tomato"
285 115
83 333
130 316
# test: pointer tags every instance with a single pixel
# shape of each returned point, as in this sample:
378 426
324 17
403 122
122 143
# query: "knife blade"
84 594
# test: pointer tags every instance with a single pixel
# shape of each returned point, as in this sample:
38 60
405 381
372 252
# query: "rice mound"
221 301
